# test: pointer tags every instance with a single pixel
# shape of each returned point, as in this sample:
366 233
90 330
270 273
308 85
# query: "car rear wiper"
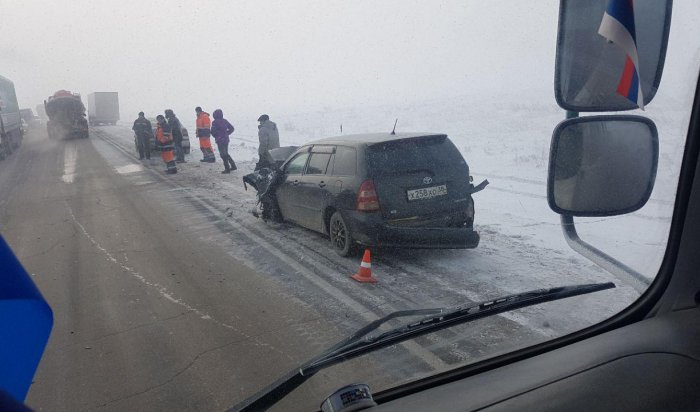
363 342
480 186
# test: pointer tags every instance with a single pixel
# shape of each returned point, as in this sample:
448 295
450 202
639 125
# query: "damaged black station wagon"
408 190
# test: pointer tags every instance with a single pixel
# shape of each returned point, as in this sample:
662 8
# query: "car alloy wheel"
341 239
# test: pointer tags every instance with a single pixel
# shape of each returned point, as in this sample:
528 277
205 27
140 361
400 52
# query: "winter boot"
172 169
208 155
232 165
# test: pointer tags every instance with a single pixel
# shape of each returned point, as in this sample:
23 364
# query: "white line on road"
70 160
164 292
127 169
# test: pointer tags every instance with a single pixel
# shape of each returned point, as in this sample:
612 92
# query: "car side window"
296 165
345 163
318 164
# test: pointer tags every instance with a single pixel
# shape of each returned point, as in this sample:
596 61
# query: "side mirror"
602 165
609 51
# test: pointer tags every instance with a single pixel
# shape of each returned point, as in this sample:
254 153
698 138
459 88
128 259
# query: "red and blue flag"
618 27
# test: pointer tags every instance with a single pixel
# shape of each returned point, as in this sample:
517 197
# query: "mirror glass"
610 53
602 165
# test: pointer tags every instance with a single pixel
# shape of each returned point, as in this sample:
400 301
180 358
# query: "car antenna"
393 131
341 128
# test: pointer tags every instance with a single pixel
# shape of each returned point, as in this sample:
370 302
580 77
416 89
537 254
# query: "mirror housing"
593 69
602 165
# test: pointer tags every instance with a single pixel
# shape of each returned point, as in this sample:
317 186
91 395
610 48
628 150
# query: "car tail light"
367 200
470 208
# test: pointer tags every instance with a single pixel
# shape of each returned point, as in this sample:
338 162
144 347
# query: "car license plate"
427 192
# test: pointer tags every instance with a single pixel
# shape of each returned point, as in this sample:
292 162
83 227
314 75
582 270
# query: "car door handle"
322 184
295 183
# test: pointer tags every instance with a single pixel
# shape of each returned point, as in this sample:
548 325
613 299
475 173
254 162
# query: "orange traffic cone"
364 275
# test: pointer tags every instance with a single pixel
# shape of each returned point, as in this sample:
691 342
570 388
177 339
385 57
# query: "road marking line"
165 293
144 182
70 160
127 169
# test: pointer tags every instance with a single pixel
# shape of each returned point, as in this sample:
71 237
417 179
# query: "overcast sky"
267 56
288 56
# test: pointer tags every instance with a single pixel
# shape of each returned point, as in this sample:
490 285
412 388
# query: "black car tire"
341 238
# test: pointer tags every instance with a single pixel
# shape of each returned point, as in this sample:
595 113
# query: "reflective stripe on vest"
203 132
162 136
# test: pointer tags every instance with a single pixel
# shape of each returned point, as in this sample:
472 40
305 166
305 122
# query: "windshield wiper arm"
455 316
374 325
360 343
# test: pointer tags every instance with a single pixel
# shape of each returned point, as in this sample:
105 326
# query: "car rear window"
345 161
318 163
407 155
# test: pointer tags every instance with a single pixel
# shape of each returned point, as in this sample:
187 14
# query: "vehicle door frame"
314 191
286 200
344 187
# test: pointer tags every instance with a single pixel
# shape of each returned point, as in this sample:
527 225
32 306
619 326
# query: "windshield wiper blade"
458 315
374 325
360 343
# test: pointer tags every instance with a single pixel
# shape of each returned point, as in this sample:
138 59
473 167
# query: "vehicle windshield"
188 268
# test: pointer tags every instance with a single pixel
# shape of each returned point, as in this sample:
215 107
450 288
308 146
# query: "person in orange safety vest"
164 141
204 134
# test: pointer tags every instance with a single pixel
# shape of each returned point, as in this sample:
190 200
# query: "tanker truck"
66 113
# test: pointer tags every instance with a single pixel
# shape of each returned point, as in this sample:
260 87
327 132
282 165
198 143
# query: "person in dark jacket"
176 130
221 129
269 138
144 131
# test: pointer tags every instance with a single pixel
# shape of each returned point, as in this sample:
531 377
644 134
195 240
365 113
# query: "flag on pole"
618 27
